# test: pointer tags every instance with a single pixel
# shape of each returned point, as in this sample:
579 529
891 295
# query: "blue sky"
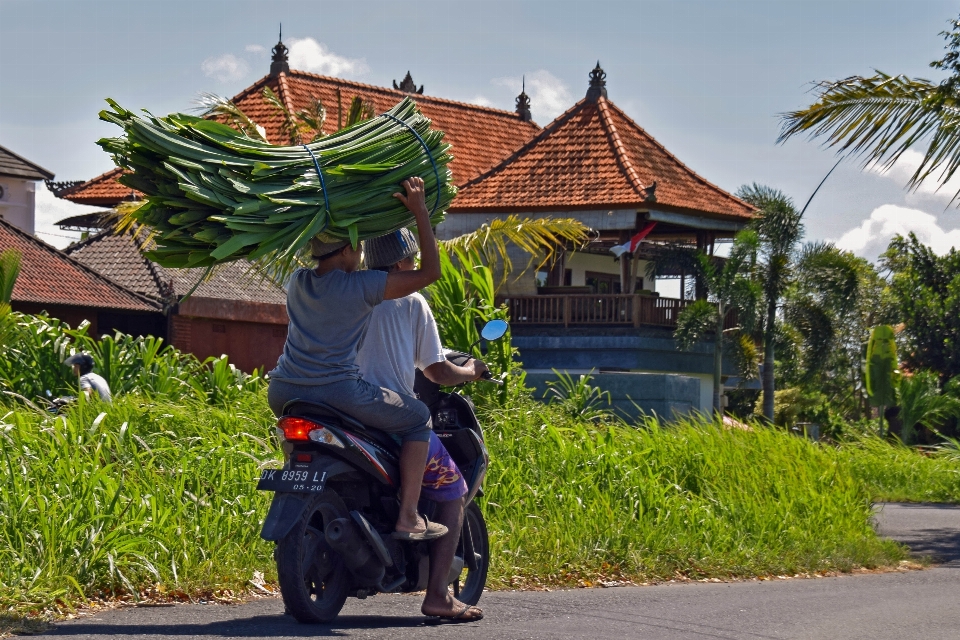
707 78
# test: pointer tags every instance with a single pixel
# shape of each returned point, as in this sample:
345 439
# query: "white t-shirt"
401 337
98 384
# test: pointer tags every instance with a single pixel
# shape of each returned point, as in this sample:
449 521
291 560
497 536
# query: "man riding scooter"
401 337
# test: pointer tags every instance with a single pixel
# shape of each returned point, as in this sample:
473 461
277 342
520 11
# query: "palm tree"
732 288
880 117
779 231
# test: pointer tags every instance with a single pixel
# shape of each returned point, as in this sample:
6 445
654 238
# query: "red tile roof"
593 157
102 191
48 276
481 136
119 257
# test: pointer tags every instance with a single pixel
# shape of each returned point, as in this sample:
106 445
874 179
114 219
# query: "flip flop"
456 618
432 531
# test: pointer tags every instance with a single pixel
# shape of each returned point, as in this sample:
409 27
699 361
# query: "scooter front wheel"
469 585
313 579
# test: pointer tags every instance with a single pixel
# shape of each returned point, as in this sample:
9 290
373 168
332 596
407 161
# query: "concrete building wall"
18 203
634 394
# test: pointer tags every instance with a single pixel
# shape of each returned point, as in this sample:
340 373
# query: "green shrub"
32 366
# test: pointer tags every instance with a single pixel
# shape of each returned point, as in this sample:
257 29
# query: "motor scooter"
336 502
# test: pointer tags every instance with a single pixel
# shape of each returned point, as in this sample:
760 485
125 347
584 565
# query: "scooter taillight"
300 430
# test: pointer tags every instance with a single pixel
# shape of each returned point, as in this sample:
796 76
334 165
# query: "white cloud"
549 97
307 54
873 235
483 101
50 209
255 48
905 167
225 68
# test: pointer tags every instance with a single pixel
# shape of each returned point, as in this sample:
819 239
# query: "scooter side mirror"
494 330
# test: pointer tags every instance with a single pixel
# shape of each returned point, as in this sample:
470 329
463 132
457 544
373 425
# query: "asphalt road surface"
913 604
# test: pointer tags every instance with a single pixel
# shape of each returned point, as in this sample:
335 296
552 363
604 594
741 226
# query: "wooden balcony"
593 309
598 309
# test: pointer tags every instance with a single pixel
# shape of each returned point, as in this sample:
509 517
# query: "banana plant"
881 369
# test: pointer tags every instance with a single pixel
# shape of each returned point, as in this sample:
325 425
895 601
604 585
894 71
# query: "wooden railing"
594 309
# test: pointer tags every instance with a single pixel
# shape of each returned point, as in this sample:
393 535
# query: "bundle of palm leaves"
214 194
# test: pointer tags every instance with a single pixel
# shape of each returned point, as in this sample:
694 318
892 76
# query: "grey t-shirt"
98 384
401 337
328 315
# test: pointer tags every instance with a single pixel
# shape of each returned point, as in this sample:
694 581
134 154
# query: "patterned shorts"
442 480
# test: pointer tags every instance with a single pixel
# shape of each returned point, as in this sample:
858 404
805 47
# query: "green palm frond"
360 110
540 237
314 117
9 270
880 117
290 127
213 105
694 323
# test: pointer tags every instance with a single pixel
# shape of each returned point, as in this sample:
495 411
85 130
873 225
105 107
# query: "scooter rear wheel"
473 580
313 579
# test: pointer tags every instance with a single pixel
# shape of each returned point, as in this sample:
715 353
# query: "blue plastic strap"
323 186
436 171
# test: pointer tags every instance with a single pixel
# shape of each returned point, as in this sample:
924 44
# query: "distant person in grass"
328 309
402 337
90 382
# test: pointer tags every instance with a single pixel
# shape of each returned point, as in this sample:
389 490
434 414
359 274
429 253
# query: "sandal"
476 615
431 531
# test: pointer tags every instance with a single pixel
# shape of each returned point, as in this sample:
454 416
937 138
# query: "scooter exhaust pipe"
345 538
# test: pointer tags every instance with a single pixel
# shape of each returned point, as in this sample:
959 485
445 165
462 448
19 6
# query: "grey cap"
319 248
390 249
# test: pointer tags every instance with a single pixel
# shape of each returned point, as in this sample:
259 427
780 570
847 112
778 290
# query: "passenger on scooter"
402 337
329 307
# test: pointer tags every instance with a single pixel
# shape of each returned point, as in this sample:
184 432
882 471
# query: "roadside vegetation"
152 496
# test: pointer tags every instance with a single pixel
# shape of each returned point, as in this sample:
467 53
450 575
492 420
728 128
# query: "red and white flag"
634 242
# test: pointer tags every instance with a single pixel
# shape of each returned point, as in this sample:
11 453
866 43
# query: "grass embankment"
158 497
895 473
567 501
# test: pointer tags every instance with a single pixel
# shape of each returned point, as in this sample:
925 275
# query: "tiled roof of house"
49 276
102 191
119 257
13 165
594 156
481 136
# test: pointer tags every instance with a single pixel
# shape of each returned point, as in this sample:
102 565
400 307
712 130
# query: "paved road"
915 604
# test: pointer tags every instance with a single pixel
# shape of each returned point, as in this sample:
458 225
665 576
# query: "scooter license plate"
292 481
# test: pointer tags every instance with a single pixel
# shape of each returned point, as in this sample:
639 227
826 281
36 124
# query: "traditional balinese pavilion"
592 311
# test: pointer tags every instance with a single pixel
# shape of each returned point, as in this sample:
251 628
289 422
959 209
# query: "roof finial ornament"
408 85
523 103
280 63
598 83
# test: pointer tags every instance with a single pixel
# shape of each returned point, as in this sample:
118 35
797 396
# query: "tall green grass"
565 498
137 495
895 473
121 498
